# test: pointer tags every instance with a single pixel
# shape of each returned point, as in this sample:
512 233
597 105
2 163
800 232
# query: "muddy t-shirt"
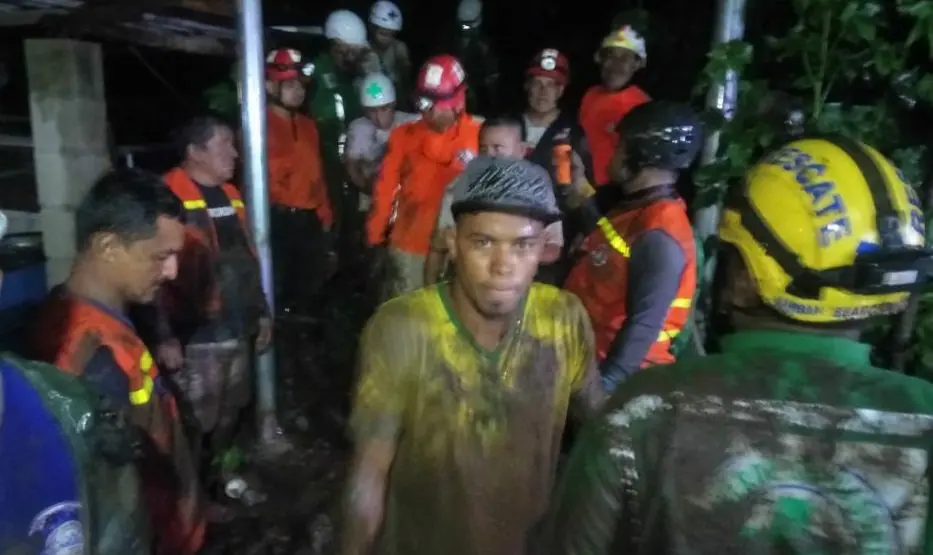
478 432
785 443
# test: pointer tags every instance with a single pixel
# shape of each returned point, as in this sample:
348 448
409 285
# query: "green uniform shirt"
477 432
334 103
784 443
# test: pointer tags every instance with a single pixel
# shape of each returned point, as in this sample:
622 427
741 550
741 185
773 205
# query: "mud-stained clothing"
217 295
783 443
71 332
478 432
215 303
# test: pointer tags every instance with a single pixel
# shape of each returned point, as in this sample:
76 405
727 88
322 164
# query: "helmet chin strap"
276 100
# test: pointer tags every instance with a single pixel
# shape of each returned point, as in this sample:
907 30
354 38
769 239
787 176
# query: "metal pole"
730 25
249 26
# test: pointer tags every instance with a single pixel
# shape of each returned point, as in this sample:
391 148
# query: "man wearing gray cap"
465 385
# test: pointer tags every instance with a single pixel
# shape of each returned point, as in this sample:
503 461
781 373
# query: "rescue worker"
465 387
301 208
479 59
66 465
333 102
501 138
789 440
422 158
129 233
621 54
385 22
554 140
368 136
636 273
215 309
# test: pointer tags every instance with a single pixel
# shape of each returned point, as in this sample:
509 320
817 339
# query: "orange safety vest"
600 277
194 294
600 113
68 332
188 193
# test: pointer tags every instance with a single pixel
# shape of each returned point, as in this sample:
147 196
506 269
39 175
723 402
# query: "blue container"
24 284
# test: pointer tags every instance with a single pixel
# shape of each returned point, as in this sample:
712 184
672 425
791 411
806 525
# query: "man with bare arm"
465 386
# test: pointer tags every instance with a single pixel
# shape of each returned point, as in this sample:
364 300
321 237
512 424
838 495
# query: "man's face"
543 94
380 38
439 119
496 257
504 142
142 266
291 93
217 156
346 56
616 67
381 116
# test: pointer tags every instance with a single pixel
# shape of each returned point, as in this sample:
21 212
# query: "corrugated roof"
197 26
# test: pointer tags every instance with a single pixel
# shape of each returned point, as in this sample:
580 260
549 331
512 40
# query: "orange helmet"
441 84
285 64
550 63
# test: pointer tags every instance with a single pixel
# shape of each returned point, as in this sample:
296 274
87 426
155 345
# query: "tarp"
101 448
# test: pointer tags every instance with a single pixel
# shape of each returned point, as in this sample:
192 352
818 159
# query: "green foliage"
834 50
846 68
222 99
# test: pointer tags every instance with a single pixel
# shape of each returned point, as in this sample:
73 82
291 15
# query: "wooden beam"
140 35
214 7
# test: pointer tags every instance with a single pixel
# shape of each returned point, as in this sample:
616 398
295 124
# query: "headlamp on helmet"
285 64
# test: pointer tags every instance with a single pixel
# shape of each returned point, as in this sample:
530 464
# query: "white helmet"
470 12
386 14
346 26
376 90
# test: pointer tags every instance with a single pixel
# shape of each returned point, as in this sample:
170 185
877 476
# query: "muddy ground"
315 360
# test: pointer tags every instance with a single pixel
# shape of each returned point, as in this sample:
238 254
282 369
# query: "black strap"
886 217
806 282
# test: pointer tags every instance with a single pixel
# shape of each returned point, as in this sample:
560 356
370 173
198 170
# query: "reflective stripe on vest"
621 246
142 395
202 205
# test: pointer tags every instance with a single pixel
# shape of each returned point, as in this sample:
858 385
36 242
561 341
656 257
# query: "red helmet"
285 64
550 63
441 84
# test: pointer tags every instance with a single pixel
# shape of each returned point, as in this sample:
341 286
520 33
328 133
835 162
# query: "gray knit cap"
505 185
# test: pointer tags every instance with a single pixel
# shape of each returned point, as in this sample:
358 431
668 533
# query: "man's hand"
169 355
581 188
367 505
264 338
366 496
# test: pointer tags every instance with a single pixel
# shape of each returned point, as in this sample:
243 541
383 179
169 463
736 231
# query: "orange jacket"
296 175
600 112
600 277
418 166
193 298
69 331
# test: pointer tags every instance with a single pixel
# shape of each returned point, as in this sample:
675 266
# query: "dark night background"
149 91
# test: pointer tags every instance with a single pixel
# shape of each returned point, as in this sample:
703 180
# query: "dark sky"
149 91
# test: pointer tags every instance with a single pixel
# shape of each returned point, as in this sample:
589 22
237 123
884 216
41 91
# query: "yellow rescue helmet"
830 232
627 38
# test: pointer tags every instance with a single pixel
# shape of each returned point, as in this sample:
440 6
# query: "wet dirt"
315 360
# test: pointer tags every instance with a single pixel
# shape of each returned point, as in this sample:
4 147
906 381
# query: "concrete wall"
69 129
